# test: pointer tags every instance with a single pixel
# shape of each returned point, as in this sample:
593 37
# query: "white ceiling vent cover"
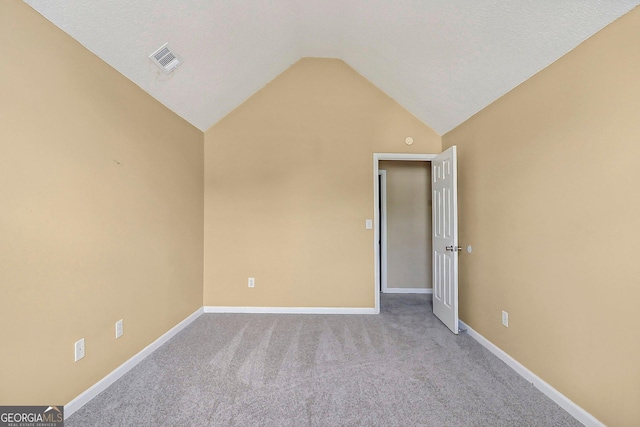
165 59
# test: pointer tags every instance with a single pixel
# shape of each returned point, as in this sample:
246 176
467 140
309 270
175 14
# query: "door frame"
376 216
382 211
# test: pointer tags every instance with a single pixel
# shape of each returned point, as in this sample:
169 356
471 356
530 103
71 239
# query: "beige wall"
289 184
102 214
408 224
549 199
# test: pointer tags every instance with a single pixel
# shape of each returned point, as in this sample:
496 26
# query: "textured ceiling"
443 60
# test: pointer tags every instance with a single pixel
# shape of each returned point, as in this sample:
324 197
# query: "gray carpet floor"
399 368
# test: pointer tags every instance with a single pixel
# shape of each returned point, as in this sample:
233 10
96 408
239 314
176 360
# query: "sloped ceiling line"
443 60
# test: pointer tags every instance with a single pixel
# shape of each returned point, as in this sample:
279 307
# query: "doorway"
444 215
380 240
405 227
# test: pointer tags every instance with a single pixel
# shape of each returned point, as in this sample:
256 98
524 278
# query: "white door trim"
376 217
383 228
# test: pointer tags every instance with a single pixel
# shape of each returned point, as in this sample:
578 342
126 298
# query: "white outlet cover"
368 224
505 319
79 349
119 328
252 282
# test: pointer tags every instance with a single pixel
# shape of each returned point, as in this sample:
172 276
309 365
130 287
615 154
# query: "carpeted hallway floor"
399 368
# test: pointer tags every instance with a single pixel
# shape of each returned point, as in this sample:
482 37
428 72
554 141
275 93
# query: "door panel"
445 238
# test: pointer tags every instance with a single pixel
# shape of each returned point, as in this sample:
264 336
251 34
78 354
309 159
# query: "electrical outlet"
79 349
252 282
119 330
505 319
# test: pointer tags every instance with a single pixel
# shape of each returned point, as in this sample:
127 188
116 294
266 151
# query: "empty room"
295 213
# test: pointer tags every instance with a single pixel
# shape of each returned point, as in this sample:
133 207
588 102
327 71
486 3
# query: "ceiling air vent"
166 60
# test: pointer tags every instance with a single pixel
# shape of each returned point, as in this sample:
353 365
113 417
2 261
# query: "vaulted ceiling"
443 60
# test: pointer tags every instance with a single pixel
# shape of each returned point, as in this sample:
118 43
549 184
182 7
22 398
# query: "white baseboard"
290 310
114 375
408 291
563 401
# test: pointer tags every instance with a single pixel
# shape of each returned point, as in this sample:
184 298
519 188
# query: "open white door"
445 238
